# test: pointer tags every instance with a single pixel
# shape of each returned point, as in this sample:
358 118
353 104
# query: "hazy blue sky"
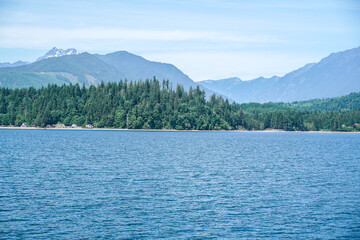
206 39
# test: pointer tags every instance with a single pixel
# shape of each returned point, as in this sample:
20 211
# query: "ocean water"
58 184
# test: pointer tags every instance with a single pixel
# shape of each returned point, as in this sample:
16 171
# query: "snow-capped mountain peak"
58 52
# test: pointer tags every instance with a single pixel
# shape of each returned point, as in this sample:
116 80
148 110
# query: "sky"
210 39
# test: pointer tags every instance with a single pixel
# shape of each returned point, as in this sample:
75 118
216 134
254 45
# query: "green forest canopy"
347 102
154 105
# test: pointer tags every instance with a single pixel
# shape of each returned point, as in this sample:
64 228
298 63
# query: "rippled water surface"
178 185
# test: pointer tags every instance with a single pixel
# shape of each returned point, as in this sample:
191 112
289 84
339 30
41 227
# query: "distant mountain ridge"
91 69
133 67
56 52
15 64
334 76
233 86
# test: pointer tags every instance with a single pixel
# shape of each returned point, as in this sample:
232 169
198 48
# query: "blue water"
178 185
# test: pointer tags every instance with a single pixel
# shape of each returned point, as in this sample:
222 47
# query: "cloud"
27 37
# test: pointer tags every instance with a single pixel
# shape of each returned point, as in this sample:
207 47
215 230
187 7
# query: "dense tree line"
154 105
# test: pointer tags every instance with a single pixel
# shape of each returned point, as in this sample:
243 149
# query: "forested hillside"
154 105
348 102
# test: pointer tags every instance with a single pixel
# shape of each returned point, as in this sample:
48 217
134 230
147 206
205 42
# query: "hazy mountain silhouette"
336 75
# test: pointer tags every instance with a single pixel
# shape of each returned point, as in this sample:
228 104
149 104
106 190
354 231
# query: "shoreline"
167 130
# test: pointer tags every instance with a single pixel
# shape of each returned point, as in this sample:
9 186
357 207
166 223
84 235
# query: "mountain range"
334 76
59 67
